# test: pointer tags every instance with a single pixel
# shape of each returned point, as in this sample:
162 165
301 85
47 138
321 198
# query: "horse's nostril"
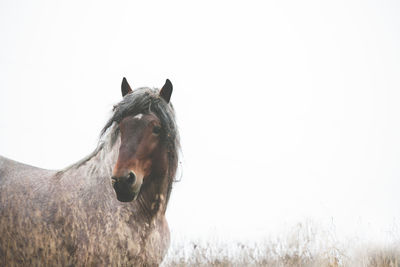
131 177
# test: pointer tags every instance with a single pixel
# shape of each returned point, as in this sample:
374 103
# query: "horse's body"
72 217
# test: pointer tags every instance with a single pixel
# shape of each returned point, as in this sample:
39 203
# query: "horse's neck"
101 163
152 198
155 188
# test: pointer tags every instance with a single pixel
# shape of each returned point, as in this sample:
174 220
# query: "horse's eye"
156 130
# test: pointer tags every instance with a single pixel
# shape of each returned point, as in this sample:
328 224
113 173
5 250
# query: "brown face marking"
139 141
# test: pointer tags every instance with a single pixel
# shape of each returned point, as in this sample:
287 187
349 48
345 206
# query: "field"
304 245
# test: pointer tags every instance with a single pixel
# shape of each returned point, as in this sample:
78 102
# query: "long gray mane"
141 101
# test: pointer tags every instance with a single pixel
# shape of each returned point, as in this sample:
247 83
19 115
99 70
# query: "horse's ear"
125 88
166 91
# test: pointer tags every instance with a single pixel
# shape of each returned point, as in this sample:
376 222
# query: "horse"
107 209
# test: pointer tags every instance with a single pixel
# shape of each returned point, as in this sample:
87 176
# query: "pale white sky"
287 109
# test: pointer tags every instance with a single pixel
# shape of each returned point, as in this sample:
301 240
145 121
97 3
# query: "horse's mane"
142 101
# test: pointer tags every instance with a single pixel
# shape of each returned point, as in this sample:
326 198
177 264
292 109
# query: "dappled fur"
72 217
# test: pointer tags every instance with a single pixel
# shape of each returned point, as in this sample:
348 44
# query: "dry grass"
303 246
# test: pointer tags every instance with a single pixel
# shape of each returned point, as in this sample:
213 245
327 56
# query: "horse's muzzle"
127 188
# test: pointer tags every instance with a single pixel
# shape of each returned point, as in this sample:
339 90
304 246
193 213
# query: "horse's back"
10 169
20 184
19 181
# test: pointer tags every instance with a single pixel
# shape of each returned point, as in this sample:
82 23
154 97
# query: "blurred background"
288 110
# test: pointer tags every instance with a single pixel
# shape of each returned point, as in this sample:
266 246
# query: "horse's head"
143 150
